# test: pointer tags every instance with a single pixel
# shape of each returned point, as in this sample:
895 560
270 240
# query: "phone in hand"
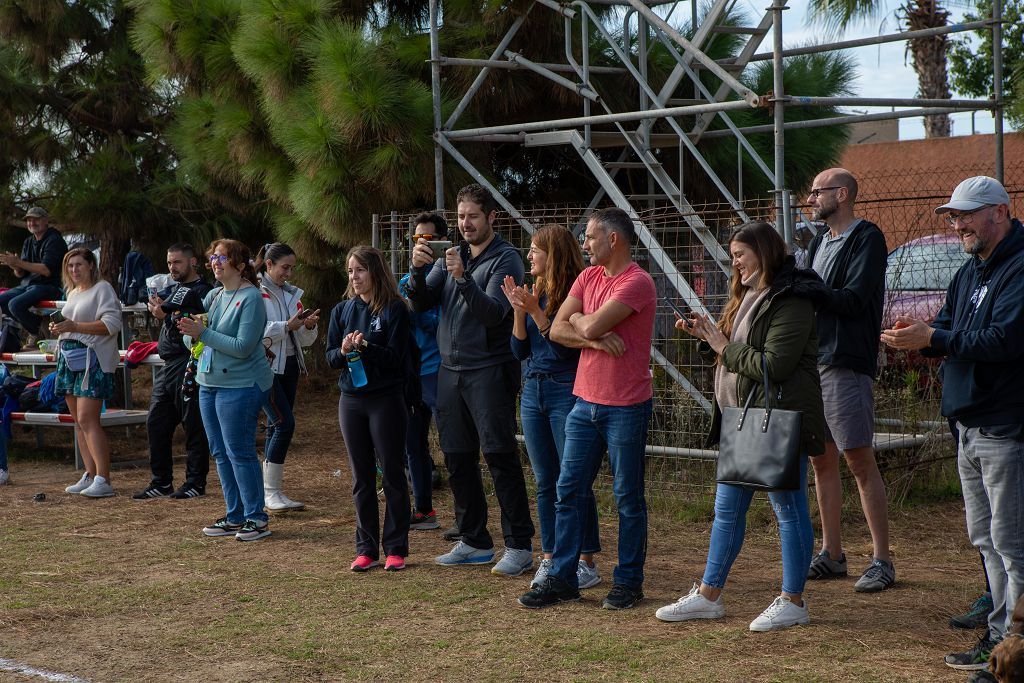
305 313
56 317
682 313
438 247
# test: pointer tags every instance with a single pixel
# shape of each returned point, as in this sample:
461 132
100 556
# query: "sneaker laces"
875 571
775 608
693 592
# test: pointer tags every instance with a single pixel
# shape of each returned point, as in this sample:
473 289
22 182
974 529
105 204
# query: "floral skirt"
98 385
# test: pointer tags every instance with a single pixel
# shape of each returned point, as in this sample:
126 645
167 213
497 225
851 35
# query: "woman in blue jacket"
234 377
548 378
371 330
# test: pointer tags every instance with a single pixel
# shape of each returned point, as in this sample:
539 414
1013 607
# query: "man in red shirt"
609 313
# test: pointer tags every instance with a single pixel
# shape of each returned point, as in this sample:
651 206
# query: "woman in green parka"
769 316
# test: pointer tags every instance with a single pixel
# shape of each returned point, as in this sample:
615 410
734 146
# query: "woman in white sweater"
290 328
86 363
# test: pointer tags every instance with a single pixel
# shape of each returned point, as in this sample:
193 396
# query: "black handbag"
759 448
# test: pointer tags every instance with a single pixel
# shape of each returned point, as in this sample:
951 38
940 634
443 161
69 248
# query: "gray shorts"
849 407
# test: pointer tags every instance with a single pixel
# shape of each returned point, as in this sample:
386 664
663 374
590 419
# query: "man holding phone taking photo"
478 381
168 407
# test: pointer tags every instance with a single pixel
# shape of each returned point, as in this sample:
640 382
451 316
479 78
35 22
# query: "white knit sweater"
98 303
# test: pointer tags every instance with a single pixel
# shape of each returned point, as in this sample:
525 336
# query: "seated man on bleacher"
39 269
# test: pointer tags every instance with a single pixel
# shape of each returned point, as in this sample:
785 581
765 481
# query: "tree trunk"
928 57
113 249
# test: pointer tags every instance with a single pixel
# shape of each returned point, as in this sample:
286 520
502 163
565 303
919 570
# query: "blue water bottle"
356 369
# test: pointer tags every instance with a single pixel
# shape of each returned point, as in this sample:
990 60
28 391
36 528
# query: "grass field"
121 590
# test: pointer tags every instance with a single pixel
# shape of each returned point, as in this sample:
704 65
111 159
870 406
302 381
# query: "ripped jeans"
730 525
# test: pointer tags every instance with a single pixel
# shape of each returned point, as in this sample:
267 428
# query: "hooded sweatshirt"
980 331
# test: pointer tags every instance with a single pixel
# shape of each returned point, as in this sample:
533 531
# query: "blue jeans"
3 452
229 416
730 525
992 476
17 301
279 408
543 408
589 429
417 447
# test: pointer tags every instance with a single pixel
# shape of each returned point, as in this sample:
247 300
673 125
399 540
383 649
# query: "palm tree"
928 55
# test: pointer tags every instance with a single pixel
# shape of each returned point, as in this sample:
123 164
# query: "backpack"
137 267
412 388
10 340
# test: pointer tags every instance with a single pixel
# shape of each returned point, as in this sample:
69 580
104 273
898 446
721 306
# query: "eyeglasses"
816 192
219 258
965 217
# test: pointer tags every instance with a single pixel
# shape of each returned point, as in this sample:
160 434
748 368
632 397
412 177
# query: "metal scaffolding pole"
997 82
435 91
778 99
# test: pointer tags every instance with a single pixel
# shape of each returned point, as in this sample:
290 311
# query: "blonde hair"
88 257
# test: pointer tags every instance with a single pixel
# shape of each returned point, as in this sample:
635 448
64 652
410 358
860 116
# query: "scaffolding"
683 94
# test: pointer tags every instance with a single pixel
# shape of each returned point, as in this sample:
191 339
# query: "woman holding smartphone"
548 378
368 340
234 377
87 329
768 319
290 328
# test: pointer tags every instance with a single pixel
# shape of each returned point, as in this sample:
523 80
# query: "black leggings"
377 422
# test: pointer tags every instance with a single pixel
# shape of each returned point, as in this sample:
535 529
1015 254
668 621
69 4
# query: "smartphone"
306 312
438 247
680 312
56 317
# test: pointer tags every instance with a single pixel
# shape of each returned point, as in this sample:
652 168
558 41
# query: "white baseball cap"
975 193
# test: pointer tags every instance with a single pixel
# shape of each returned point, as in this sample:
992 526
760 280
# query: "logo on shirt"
375 325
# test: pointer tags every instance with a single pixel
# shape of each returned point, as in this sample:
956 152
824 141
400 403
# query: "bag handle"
750 398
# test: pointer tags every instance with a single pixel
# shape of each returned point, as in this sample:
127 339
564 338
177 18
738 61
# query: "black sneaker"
622 597
252 531
974 659
877 577
222 527
551 592
824 567
188 491
154 491
982 676
976 616
452 534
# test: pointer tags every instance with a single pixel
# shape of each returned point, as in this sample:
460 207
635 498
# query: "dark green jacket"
784 332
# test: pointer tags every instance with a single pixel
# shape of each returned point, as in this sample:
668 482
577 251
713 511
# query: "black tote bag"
759 448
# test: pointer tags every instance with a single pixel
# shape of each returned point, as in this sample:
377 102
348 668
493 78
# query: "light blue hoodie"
235 333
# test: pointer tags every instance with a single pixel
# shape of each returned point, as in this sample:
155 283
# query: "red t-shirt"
626 380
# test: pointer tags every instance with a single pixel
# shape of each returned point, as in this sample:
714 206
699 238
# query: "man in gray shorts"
850 257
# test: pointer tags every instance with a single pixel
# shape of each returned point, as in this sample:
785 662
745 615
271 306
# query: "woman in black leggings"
371 330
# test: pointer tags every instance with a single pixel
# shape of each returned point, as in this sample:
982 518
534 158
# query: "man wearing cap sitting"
39 269
980 334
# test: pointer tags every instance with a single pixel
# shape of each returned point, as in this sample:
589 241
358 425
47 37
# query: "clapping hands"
522 297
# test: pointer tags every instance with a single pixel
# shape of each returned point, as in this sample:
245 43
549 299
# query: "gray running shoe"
542 573
824 567
879 576
463 554
514 562
976 616
587 576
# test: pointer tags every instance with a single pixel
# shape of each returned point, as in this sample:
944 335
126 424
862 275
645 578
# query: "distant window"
924 266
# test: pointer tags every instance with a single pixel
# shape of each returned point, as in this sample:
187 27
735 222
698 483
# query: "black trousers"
476 409
377 422
167 410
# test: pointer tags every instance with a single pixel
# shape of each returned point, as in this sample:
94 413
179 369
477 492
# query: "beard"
823 212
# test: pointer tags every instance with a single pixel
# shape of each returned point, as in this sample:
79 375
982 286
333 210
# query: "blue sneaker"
463 554
586 575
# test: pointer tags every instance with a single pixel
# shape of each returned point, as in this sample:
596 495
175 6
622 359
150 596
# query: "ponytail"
273 252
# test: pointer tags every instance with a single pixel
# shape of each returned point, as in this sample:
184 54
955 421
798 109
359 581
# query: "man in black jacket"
168 407
850 257
980 333
477 382
39 267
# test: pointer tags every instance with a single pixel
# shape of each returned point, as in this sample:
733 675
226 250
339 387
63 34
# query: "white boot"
273 498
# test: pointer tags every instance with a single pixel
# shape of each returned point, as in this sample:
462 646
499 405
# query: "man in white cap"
980 334
39 266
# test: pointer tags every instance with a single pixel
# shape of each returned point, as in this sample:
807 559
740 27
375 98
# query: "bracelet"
544 332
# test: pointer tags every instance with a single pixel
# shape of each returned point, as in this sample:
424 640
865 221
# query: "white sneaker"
100 488
542 573
4 477
587 576
693 605
81 485
782 613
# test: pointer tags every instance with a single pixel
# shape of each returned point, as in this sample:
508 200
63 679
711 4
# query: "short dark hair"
615 219
183 248
480 195
440 225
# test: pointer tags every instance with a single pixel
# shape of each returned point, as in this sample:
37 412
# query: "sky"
885 71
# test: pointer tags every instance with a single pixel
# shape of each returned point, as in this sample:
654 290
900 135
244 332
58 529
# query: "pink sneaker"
364 563
394 563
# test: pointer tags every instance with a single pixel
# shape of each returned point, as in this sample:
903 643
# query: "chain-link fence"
924 256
